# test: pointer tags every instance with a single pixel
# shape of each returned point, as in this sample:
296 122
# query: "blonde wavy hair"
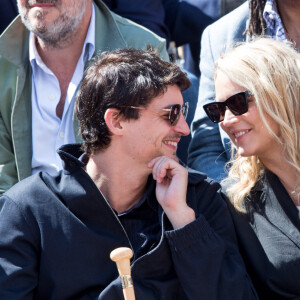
270 70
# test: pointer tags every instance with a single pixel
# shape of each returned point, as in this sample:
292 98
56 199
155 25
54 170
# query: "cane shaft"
129 293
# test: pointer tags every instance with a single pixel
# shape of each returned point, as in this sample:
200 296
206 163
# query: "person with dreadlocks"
209 150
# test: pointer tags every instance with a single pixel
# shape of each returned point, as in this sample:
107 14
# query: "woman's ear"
113 120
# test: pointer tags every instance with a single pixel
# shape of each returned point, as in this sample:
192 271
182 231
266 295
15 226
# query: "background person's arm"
206 150
209 148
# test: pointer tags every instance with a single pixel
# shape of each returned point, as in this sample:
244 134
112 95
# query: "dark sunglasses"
174 111
238 105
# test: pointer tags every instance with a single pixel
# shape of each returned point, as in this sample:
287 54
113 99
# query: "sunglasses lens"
238 104
215 111
175 114
185 109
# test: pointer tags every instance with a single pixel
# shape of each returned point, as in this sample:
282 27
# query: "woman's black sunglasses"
238 105
174 111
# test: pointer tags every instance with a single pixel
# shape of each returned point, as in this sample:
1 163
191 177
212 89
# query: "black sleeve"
205 252
18 254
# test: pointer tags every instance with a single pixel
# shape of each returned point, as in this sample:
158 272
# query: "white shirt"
49 132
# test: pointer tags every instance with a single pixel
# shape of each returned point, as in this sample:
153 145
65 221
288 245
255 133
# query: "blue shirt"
273 20
49 132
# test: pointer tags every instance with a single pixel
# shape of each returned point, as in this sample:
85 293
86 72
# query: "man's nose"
182 126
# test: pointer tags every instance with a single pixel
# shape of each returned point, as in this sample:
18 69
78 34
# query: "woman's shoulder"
250 201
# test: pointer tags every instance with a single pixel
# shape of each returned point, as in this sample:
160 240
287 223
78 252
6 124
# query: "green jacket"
112 32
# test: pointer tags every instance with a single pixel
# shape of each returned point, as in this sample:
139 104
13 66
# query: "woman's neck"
287 175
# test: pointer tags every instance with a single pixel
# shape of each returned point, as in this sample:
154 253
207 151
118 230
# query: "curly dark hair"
121 78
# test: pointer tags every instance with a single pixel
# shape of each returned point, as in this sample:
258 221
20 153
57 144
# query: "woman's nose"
229 118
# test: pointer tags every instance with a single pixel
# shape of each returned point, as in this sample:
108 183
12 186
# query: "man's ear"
113 120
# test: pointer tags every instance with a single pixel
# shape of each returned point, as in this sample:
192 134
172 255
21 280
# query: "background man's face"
52 20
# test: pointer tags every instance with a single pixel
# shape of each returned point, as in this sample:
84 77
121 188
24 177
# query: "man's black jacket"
56 234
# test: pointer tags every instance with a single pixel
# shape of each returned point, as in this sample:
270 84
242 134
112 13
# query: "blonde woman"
258 105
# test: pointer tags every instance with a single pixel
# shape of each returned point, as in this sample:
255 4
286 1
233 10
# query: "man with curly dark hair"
123 187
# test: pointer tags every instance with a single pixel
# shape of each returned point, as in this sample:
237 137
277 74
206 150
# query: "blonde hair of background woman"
270 70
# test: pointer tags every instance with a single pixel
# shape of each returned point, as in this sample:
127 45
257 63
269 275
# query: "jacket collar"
278 207
108 35
82 197
14 45
71 153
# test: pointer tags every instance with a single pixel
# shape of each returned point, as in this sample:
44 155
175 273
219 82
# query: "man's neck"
120 181
289 11
62 59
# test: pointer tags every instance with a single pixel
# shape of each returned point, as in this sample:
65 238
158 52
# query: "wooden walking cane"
121 256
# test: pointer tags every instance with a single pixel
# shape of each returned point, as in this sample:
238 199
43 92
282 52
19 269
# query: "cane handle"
121 256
